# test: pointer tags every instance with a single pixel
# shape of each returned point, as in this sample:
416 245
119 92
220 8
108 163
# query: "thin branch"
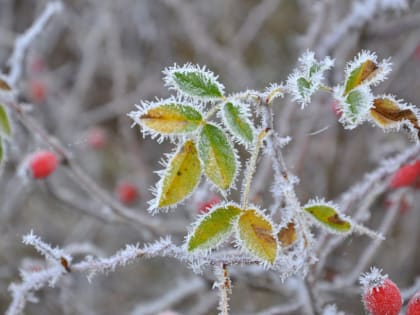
24 41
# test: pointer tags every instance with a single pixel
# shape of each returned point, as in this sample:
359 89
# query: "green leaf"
255 233
213 229
193 81
303 85
5 128
237 123
217 155
328 217
360 75
170 118
181 176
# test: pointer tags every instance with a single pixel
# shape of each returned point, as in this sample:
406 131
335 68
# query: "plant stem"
251 168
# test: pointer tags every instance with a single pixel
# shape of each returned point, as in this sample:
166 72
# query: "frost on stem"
307 79
51 254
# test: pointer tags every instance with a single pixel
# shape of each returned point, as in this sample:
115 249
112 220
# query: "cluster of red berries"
381 296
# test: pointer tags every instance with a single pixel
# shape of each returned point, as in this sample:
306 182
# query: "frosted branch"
24 41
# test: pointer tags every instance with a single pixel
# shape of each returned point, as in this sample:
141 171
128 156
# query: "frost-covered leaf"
167 117
255 234
359 75
307 79
218 157
287 235
193 81
237 123
365 69
390 113
180 177
354 106
328 216
213 228
5 128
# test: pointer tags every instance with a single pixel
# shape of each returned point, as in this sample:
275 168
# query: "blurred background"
95 59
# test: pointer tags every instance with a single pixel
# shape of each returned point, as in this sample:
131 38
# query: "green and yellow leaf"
328 217
255 233
5 128
218 156
237 123
169 118
360 75
180 177
214 228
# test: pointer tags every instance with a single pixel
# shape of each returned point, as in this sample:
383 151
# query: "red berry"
97 138
127 193
406 176
204 207
381 296
413 307
37 91
41 164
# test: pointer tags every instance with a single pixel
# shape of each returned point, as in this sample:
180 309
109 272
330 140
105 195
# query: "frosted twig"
224 285
23 41
51 254
22 293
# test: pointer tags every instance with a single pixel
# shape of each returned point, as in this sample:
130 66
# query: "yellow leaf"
181 176
255 232
171 118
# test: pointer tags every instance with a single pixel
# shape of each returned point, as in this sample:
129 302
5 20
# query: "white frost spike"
209 77
381 74
307 79
355 106
372 279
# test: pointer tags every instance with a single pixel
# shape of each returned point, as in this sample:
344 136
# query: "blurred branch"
24 41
